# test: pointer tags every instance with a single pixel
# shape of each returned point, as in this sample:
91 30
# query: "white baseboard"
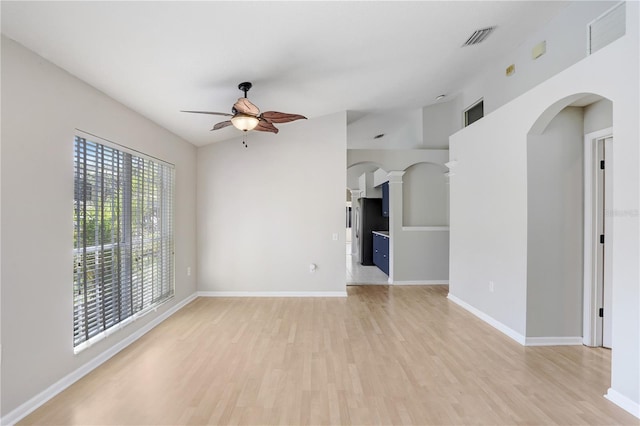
554 341
365 284
272 293
489 320
32 404
422 282
623 402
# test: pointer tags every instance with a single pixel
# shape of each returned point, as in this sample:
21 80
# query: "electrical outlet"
491 286
188 271
335 236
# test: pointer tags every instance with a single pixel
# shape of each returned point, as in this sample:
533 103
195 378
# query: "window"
123 238
474 113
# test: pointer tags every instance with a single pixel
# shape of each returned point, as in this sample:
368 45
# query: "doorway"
597 238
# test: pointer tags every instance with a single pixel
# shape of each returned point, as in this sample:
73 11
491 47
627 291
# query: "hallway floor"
359 274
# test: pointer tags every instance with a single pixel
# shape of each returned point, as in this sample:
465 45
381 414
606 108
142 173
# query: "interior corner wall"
489 202
266 212
598 116
555 227
41 106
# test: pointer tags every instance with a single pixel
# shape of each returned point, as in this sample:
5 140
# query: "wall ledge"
425 228
34 403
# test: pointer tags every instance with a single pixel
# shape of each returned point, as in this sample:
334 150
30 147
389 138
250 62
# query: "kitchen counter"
383 233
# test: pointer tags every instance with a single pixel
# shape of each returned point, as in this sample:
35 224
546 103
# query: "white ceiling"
310 58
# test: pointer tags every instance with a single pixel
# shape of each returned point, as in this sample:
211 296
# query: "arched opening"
560 171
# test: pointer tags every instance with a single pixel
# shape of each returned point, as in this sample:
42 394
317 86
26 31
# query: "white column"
395 219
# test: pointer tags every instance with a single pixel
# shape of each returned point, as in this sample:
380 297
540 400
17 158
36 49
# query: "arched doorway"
566 262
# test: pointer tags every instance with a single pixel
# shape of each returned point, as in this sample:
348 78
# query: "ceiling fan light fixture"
244 122
245 116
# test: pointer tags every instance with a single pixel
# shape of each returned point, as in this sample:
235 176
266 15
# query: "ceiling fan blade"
281 117
222 125
211 113
265 126
245 106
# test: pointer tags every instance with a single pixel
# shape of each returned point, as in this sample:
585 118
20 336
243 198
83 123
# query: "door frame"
592 323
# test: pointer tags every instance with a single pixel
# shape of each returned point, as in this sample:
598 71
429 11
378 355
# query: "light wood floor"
384 355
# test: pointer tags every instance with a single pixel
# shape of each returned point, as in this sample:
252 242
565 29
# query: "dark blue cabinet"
385 199
381 252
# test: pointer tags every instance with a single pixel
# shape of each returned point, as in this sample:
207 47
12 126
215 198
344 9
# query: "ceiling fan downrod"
245 86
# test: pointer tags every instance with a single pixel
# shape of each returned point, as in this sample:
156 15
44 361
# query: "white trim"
623 402
382 233
422 282
355 283
553 341
34 403
489 320
90 137
426 228
464 113
589 327
272 294
122 324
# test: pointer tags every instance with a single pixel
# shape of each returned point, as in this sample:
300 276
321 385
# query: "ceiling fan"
246 116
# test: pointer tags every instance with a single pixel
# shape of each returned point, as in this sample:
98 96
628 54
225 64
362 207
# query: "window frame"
465 113
158 222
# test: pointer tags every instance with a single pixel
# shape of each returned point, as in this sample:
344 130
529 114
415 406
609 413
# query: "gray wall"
266 212
555 227
440 121
424 256
41 106
425 200
598 116
489 201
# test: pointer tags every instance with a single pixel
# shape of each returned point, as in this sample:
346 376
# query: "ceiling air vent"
479 36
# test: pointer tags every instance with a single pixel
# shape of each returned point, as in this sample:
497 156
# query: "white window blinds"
123 237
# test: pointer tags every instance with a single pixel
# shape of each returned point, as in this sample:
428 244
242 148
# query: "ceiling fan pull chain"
243 140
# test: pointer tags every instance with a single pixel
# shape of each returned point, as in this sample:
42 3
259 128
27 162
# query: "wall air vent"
478 36
607 27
